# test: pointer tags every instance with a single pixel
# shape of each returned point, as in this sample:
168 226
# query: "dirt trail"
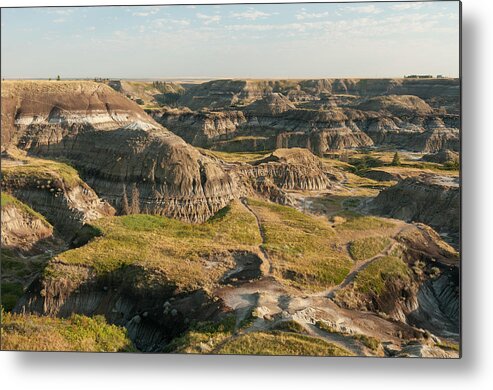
262 252
357 268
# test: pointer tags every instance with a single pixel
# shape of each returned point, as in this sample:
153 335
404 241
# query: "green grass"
281 343
290 326
77 333
179 250
368 341
301 247
46 174
325 327
448 345
366 248
8 199
10 294
374 277
206 334
356 221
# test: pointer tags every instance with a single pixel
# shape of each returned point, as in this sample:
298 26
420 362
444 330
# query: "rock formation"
115 146
431 199
444 156
321 115
23 229
290 169
56 191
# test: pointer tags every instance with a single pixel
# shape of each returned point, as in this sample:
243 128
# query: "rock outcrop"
55 191
442 157
116 146
431 199
222 94
425 294
24 230
321 115
396 105
290 169
272 104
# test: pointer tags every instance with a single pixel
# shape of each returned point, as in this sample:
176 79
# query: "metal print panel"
267 179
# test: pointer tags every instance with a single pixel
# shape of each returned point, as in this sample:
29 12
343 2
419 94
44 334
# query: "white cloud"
59 20
406 6
148 11
250 14
91 28
169 23
208 19
62 11
364 9
307 15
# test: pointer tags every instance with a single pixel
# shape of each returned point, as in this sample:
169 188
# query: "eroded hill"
262 242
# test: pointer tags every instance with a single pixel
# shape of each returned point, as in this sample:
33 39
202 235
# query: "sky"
232 41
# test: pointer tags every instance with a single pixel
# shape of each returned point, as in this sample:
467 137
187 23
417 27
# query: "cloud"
169 23
364 9
406 6
208 19
91 28
148 11
250 14
307 15
64 12
59 20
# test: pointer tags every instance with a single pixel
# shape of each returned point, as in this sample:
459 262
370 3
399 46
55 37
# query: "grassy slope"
9 199
174 247
44 171
77 333
281 343
374 277
14 267
367 247
301 247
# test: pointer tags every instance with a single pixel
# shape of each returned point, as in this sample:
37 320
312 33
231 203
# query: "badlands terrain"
283 217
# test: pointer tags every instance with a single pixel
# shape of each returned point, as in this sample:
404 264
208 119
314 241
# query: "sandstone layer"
431 199
115 145
321 115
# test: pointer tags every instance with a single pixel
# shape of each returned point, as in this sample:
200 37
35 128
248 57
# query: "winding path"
264 256
357 268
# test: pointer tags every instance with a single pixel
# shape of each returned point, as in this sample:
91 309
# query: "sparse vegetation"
300 247
374 277
368 341
179 249
360 222
367 247
396 161
326 327
281 343
444 344
290 326
9 199
10 294
203 337
77 333
46 174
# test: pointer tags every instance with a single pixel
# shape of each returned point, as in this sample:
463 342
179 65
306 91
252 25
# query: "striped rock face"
118 149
